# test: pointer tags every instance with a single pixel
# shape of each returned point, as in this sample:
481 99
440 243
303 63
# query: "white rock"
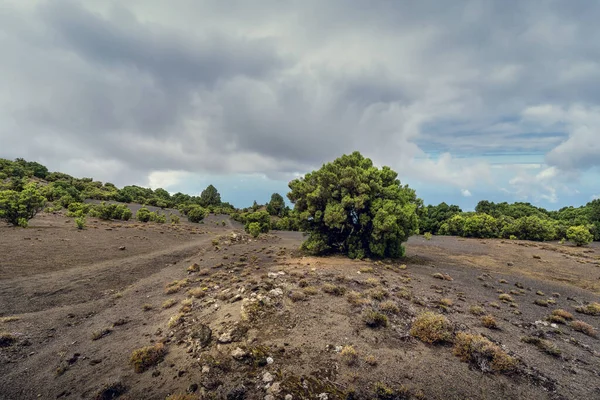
269 397
205 369
238 353
288 397
272 275
225 338
275 388
267 377
270 360
276 292
281 273
338 349
323 396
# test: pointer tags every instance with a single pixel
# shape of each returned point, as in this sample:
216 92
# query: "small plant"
445 302
584 328
9 319
367 270
186 306
254 229
80 222
371 360
427 235
477 310
176 320
372 282
169 303
590 309
580 235
384 392
506 298
563 314
147 307
334 289
481 352
349 355
174 219
444 277
374 319
378 294
96 335
197 293
432 328
544 345
389 307
541 302
310 290
489 322
193 268
297 295
146 357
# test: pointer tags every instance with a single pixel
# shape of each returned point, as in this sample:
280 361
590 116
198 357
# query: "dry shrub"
563 314
372 282
389 307
334 289
374 319
584 328
489 322
507 298
297 295
480 351
590 309
371 360
349 355
432 328
193 268
310 290
169 303
175 320
477 310
444 277
543 345
378 294
197 292
146 357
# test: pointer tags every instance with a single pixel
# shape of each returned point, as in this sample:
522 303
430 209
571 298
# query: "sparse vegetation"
484 354
349 355
477 310
506 298
584 328
176 320
146 357
432 328
335 290
374 319
389 307
489 322
96 335
544 345
169 303
18 207
589 309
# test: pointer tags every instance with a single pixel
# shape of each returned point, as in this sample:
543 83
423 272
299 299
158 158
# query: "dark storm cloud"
278 87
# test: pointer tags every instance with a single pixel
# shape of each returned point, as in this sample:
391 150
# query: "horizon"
466 100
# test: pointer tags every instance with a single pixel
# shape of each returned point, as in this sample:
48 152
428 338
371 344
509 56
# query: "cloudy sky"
467 100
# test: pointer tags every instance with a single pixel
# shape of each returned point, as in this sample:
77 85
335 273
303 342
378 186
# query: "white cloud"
595 197
466 192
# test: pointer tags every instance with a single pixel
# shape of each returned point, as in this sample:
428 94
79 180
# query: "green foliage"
427 235
254 229
174 219
580 235
531 228
110 211
19 207
195 213
454 226
78 209
261 218
143 215
276 206
80 222
480 226
210 197
433 217
158 217
351 207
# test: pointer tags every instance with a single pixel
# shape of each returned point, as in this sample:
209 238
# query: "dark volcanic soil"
65 287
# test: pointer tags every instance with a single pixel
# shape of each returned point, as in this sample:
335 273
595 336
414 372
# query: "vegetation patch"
543 345
482 353
101 333
375 319
432 328
489 322
335 290
349 355
584 328
589 309
144 358
477 310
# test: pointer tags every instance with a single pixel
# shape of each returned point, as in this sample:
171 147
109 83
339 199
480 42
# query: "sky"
466 100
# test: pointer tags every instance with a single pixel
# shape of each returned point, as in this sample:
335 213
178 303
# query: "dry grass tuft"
169 303
197 292
366 270
481 352
147 357
489 322
147 307
186 305
349 355
371 360
176 320
372 282
297 295
378 294
477 310
334 290
9 319
541 303
96 335
310 290
389 307
544 345
507 298
563 314
590 309
193 268
374 319
444 277
584 328
432 328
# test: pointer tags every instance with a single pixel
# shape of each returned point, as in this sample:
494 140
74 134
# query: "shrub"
584 328
351 207
349 355
260 220
432 328
489 322
334 290
17 208
196 213
143 215
580 235
374 319
563 314
590 309
477 310
543 345
174 219
480 226
80 222
254 229
428 235
484 354
531 228
146 357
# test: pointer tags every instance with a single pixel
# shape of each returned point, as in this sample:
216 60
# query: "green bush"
143 215
480 226
454 226
111 211
531 228
351 207
261 218
158 217
580 235
174 219
80 222
78 209
17 208
195 213
254 229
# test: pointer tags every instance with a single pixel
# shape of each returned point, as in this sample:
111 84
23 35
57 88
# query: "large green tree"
210 197
276 206
351 207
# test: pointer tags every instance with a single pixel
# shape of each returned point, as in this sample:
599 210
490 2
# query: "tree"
195 213
210 197
434 217
276 206
351 207
580 235
19 207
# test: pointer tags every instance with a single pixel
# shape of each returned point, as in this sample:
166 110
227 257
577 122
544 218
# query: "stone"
122 248
274 389
238 353
276 292
288 397
225 338
323 396
203 334
270 360
267 377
